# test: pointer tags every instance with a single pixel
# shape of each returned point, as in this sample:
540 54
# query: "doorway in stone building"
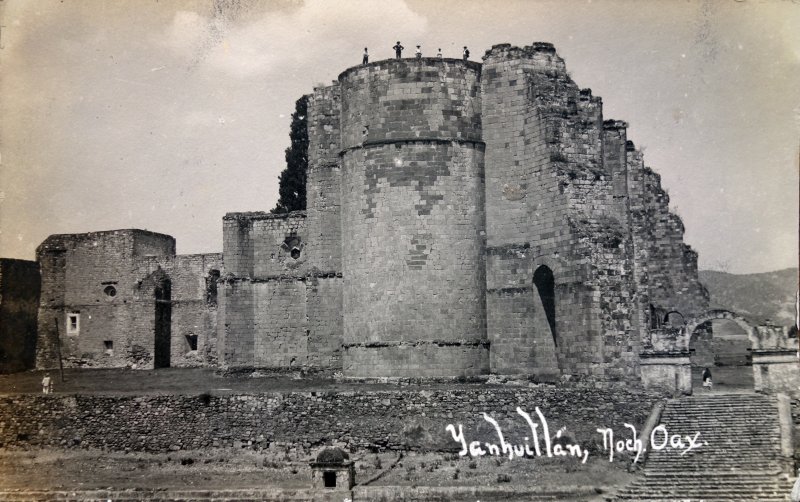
724 347
546 298
546 339
163 321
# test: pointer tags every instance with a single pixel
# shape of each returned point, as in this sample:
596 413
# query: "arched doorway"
163 320
545 335
721 341
545 288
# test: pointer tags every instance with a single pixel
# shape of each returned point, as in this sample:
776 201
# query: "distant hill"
758 297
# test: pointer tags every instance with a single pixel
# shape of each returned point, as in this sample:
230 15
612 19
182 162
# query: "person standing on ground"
418 52
466 53
439 54
365 60
707 382
47 384
398 50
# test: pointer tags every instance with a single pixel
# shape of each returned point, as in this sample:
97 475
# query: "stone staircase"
741 461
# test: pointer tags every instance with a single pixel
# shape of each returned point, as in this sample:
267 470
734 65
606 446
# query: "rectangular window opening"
109 346
191 340
73 323
329 479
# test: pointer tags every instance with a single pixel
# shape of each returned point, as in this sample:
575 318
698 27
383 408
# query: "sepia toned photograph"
399 250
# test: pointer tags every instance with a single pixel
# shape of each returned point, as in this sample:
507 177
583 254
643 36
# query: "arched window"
674 319
545 285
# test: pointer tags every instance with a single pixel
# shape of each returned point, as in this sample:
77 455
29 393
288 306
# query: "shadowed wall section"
20 285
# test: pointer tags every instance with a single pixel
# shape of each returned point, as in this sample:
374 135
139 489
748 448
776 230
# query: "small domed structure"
332 470
332 456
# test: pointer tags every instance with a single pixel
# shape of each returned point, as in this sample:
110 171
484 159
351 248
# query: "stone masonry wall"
384 101
525 221
412 258
266 293
390 419
259 245
51 256
324 321
99 287
593 180
194 298
90 285
551 203
412 219
323 185
20 284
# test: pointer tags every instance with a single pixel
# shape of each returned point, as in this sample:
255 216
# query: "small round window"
110 291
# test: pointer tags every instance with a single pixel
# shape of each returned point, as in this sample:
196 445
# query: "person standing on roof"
398 50
418 52
365 60
466 53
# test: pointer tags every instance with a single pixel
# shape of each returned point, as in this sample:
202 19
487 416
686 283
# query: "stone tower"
462 219
412 219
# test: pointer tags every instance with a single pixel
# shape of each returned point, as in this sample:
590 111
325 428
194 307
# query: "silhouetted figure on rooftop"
418 52
398 50
466 53
365 60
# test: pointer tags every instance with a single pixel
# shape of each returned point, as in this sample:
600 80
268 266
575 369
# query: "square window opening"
329 479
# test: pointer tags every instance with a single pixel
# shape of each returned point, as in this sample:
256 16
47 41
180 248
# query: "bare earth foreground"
94 473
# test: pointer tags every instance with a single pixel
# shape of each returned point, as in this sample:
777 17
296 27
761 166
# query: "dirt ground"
199 380
185 381
49 469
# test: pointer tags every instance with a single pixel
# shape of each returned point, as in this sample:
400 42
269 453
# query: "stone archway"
722 341
711 315
549 322
544 284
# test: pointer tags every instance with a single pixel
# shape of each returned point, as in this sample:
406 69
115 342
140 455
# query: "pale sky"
166 115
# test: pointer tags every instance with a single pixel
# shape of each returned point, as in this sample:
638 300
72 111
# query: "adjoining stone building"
462 219
123 298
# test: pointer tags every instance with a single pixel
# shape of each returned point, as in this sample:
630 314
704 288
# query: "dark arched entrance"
722 341
163 320
545 287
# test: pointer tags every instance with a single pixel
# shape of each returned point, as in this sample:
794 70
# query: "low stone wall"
402 419
776 371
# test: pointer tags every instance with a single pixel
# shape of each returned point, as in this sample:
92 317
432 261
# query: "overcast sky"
166 115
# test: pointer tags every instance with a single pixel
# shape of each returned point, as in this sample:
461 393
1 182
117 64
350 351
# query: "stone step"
682 497
717 481
741 459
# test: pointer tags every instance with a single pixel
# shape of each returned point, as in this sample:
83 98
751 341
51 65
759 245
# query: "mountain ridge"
758 297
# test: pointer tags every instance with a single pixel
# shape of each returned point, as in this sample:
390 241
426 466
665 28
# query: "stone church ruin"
462 219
